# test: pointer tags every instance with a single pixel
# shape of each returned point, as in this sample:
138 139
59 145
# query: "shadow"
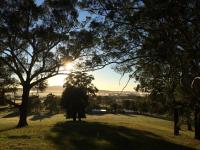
41 116
129 115
12 114
98 136
7 129
36 116
98 114
103 114
19 137
3 108
157 116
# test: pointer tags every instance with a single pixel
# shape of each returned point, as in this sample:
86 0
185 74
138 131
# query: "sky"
105 79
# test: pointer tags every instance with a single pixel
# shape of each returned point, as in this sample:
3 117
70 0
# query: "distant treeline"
111 103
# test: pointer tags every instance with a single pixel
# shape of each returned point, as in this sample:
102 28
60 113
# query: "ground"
96 132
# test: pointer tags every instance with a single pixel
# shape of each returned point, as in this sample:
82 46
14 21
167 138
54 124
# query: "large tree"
37 39
150 34
172 44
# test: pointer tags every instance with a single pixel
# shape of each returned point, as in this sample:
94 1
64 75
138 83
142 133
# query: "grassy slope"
95 133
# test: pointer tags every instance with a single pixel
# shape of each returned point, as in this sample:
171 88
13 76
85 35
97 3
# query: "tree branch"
16 71
13 103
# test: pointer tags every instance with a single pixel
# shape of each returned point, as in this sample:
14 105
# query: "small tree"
41 86
51 103
34 104
78 88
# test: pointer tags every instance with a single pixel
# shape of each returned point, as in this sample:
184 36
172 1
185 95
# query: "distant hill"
57 90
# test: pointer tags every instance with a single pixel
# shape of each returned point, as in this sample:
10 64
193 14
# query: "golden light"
68 66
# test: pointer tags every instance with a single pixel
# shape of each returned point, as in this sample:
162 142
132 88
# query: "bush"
74 101
52 103
34 104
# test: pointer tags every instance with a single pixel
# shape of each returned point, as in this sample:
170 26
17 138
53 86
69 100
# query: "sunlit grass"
96 132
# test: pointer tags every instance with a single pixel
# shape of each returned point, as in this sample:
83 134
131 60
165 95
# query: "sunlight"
68 66
59 80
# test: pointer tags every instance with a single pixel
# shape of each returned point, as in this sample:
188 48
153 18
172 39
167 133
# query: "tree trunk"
189 121
197 123
176 122
189 125
23 109
74 118
2 97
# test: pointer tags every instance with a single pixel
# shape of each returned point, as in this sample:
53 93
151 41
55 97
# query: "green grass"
102 132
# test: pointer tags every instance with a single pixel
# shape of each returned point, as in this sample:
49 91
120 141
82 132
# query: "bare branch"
13 103
16 71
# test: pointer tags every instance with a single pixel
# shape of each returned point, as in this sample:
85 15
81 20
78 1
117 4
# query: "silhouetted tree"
196 89
74 101
41 86
37 39
78 87
160 37
52 103
35 104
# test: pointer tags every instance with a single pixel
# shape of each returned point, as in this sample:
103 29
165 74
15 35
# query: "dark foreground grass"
105 132
99 136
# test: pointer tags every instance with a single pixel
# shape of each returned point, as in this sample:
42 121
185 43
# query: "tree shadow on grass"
19 137
129 115
7 129
11 114
41 116
98 136
35 116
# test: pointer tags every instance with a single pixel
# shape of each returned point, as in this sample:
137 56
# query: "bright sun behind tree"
68 66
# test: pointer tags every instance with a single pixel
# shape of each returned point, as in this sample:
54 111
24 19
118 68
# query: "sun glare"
68 66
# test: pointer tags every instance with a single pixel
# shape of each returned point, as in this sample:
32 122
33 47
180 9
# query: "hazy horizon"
104 79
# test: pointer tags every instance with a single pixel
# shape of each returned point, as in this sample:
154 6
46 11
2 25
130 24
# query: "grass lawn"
102 132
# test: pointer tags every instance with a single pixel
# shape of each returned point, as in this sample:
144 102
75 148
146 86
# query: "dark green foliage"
35 104
41 86
78 88
93 103
114 107
74 101
171 64
157 42
82 80
52 103
126 104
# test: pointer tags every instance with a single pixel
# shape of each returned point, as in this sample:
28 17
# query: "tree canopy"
81 80
155 42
